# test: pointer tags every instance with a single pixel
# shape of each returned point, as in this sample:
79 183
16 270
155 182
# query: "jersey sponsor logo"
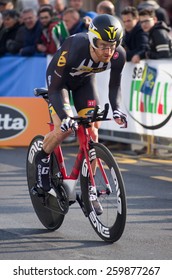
12 122
91 103
116 55
87 69
49 80
62 59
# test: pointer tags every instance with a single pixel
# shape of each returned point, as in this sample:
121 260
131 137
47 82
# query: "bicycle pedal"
37 191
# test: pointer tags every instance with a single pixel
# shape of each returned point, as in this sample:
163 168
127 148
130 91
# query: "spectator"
60 33
33 4
159 43
11 27
77 5
46 44
160 12
59 7
105 7
27 4
31 32
43 2
6 5
135 40
73 21
90 15
159 38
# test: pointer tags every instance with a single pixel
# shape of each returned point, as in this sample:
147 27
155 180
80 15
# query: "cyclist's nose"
108 50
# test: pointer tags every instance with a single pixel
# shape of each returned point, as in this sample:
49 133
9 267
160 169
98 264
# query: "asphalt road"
148 231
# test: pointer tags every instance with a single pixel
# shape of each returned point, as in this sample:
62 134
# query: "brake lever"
97 108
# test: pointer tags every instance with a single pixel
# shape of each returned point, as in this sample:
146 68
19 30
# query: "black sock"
43 174
42 154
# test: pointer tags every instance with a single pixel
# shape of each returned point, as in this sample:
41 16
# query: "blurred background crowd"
29 27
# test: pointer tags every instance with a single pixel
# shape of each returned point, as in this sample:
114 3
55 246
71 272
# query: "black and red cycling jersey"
73 69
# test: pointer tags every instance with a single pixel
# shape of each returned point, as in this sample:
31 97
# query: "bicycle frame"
84 139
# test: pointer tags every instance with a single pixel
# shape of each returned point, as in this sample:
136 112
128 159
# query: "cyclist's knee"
94 132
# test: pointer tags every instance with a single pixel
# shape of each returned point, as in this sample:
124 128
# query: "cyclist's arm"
118 62
57 73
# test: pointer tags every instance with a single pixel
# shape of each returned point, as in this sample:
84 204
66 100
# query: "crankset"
56 201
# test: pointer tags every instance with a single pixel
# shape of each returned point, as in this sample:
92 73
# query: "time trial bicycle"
51 207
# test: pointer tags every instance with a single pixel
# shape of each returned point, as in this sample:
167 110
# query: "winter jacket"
47 38
8 35
30 39
159 41
135 42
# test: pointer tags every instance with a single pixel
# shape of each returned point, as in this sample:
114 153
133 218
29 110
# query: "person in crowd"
77 5
169 9
46 43
6 5
11 28
73 21
88 18
43 2
31 32
105 7
135 40
73 68
160 12
160 42
59 8
27 4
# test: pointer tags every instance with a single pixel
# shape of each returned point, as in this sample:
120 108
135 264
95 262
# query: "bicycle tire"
111 223
48 217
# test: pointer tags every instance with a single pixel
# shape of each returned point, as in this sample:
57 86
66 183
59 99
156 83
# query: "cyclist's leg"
85 99
51 140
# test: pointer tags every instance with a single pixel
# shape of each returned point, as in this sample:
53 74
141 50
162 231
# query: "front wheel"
111 194
46 212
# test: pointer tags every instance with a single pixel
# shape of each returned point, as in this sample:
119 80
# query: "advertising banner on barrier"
21 119
22 116
20 75
146 97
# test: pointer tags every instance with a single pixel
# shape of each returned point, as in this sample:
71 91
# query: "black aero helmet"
105 27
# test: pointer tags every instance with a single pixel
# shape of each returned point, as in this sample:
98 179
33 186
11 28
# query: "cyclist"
73 68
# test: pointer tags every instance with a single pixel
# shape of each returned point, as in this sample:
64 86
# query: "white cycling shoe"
94 200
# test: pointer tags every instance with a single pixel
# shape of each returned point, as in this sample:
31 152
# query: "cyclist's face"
105 50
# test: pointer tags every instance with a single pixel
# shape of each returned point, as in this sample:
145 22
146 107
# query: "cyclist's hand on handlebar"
68 123
120 118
